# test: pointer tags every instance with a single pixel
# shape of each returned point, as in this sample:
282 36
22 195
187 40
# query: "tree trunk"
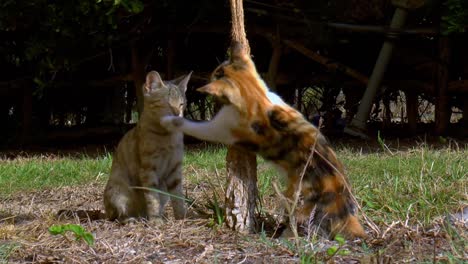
138 75
274 65
298 98
442 107
465 112
412 111
129 101
387 112
241 193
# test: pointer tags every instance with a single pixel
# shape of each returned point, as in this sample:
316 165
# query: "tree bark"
129 101
274 65
138 75
412 111
465 112
387 112
241 193
442 107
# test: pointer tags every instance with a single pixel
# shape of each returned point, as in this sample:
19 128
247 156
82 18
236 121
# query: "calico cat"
150 156
256 119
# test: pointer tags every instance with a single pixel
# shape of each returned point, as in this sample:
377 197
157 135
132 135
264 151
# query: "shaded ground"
26 217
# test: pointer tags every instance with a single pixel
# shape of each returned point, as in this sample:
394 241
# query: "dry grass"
30 215
26 216
190 241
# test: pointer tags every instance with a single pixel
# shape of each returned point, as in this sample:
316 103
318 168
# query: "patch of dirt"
26 217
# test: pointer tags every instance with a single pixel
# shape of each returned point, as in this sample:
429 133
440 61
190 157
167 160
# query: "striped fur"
258 120
149 156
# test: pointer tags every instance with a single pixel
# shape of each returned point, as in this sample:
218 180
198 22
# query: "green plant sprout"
79 231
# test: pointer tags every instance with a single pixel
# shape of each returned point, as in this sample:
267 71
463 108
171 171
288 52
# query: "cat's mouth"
175 113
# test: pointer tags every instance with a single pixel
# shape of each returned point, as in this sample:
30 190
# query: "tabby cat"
149 156
258 120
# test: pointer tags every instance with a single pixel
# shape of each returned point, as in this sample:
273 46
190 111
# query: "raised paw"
172 123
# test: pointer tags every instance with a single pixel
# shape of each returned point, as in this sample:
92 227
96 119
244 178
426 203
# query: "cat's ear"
153 81
182 82
214 88
224 92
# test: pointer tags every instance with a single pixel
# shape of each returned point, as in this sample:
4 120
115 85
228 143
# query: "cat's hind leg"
174 187
122 202
163 199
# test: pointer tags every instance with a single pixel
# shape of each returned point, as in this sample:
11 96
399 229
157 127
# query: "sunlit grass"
36 172
415 185
209 158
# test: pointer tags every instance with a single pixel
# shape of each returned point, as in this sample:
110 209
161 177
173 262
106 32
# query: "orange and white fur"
258 120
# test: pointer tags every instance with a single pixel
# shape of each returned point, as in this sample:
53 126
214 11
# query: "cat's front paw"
172 123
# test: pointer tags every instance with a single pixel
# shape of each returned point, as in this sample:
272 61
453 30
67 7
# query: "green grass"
6 249
267 174
30 173
207 160
36 172
419 184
